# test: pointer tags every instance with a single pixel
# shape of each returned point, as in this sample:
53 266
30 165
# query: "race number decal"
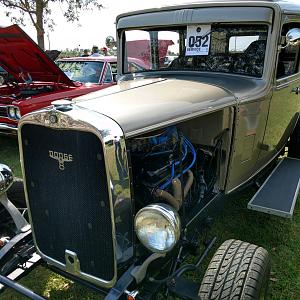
198 40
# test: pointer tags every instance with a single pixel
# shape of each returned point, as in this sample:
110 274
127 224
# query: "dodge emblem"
61 158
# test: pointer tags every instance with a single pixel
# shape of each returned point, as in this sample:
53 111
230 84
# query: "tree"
39 13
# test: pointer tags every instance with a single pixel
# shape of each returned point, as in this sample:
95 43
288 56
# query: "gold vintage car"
118 183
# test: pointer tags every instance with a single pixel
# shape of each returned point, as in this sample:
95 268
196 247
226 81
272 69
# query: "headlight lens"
18 113
12 112
158 227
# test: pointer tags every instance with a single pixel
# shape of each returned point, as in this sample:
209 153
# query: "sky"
95 25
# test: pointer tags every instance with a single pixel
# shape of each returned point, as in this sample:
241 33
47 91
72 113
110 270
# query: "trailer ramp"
278 194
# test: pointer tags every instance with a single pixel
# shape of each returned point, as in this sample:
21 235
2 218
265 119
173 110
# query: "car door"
285 102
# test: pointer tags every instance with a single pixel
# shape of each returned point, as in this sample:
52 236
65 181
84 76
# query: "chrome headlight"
158 227
6 178
12 112
18 113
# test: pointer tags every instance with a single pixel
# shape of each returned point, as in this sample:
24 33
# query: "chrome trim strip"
286 81
113 142
270 211
6 129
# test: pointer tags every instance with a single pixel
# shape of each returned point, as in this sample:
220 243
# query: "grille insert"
3 111
69 205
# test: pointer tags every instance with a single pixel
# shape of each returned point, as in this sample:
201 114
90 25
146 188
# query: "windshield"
83 71
237 49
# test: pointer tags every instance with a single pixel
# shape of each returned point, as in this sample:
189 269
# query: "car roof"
285 5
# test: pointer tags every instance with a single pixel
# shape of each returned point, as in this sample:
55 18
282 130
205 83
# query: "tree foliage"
40 14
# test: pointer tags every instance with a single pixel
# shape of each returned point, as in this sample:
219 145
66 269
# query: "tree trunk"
39 23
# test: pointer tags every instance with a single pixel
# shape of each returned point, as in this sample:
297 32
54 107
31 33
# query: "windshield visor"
236 49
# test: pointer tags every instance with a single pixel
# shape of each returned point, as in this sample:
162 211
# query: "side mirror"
2 80
293 37
110 42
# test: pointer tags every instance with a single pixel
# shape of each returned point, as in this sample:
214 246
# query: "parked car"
88 69
68 65
36 80
132 175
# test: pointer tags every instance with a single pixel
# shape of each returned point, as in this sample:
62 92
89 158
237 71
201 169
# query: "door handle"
296 90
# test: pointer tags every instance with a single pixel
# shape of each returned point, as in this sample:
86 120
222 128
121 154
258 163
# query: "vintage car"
132 175
35 80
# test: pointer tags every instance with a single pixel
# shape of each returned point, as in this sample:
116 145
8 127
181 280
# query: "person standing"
95 51
86 52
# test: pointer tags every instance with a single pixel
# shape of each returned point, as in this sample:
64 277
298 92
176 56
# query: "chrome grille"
3 111
68 199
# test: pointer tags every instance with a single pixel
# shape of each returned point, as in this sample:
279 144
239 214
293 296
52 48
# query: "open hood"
25 60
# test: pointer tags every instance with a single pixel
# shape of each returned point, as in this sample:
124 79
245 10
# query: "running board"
278 194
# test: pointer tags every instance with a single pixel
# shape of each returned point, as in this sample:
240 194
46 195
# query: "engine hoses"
186 145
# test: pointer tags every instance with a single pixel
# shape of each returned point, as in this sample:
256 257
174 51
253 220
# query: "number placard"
198 40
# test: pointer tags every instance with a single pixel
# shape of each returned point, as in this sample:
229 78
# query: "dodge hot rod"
128 183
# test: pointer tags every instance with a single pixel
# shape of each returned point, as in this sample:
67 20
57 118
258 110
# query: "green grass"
9 154
279 236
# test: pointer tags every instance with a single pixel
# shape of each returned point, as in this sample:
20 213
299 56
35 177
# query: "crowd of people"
95 52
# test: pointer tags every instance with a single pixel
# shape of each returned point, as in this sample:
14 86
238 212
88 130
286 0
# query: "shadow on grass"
50 285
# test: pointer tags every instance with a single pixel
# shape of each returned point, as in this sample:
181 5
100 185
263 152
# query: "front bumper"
8 129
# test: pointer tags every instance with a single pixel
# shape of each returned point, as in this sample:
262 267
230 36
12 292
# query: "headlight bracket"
139 272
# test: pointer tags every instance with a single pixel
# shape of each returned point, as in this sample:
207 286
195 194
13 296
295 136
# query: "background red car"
36 80
70 63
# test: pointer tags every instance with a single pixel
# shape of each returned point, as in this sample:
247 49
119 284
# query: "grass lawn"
9 154
280 237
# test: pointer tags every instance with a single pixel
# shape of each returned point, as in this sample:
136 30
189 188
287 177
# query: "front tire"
238 270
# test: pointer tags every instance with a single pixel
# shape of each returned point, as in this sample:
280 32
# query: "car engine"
164 165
